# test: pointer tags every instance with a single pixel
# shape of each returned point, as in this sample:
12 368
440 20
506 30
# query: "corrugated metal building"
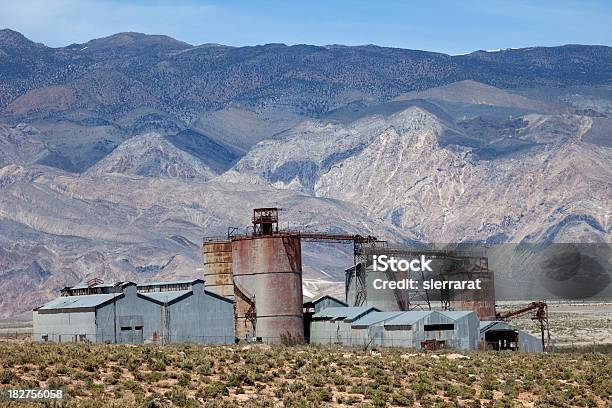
500 335
333 324
159 312
370 328
359 326
446 329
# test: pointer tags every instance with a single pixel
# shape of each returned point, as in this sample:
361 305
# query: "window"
399 327
138 328
126 328
436 327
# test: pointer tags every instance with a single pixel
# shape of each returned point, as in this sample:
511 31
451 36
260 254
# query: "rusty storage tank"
267 272
217 255
481 301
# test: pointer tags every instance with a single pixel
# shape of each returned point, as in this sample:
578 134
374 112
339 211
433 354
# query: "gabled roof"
456 314
374 318
79 302
321 298
408 318
166 297
311 302
343 313
494 325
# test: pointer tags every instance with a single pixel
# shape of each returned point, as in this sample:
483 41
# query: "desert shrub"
5 376
215 389
184 380
450 391
179 397
403 399
489 383
486 394
325 394
55 382
421 385
62 369
239 377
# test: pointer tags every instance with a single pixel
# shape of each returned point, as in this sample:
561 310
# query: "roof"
494 324
409 317
315 300
375 317
100 285
166 297
345 313
162 283
457 314
77 302
320 298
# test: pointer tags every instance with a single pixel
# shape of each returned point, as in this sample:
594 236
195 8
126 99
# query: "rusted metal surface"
481 301
267 272
265 221
217 257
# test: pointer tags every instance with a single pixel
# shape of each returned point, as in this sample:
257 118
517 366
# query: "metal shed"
370 330
69 318
333 324
501 335
407 329
425 329
165 312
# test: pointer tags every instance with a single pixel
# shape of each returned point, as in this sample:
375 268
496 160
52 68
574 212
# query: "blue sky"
445 26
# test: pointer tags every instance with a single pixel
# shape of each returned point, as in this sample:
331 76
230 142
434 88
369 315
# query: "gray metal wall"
529 343
63 327
129 310
202 318
327 302
330 332
467 331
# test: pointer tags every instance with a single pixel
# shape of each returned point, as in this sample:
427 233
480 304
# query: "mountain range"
118 155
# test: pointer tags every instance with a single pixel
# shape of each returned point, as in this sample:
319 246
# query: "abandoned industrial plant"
251 291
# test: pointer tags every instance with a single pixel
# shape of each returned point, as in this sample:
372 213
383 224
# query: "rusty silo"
217 255
481 301
267 274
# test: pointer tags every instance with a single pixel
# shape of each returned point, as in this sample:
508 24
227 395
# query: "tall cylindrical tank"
217 257
267 274
481 301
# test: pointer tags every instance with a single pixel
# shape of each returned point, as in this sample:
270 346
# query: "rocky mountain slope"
151 155
18 146
536 180
130 83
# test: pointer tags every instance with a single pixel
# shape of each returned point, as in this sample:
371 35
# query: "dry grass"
301 376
